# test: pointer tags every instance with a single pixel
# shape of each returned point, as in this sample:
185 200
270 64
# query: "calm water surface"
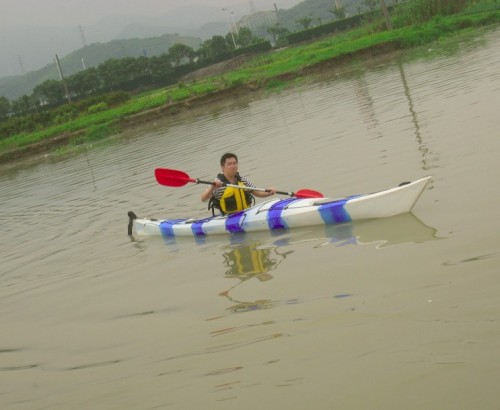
395 313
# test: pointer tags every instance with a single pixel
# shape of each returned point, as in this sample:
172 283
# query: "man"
228 199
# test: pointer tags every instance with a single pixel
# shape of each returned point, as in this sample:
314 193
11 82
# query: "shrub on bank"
47 117
324 29
421 11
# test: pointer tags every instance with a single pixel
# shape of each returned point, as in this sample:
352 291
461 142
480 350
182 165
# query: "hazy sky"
71 12
15 13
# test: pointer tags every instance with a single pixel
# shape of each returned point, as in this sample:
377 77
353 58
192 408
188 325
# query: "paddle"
175 178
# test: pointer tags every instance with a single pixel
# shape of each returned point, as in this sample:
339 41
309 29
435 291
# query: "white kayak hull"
289 213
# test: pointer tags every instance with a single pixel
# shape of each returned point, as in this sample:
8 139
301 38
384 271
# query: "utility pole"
234 24
388 22
68 97
230 29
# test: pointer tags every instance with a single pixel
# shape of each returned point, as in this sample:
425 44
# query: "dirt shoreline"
194 104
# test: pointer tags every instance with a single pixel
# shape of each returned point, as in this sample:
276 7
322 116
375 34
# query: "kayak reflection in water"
247 261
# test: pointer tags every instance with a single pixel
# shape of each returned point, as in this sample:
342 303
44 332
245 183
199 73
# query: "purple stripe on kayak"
234 222
334 212
167 227
274 219
197 226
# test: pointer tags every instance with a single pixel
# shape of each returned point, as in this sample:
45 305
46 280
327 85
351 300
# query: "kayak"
287 213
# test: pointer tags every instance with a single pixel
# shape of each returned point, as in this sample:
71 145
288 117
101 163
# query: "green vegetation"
95 118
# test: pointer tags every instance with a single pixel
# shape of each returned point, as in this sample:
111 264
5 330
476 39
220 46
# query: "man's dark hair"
226 156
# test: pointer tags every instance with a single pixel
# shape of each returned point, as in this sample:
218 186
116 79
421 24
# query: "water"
366 315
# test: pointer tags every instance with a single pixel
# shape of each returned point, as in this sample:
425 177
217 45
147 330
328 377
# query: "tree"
278 33
106 73
204 52
22 104
161 68
50 92
179 53
84 82
245 37
304 22
371 5
339 13
219 46
213 49
4 107
116 73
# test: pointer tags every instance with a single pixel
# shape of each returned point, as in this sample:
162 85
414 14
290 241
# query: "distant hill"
96 54
15 86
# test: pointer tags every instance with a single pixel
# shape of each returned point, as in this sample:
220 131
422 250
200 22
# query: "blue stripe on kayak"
234 221
334 212
274 219
167 227
197 226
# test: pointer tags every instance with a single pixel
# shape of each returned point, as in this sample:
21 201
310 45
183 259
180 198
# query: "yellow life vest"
234 199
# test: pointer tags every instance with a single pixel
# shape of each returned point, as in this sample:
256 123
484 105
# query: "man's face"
230 167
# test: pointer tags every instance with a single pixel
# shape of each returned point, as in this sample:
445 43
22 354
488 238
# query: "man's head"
228 156
229 164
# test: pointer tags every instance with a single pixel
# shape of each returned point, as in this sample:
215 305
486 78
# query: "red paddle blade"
172 177
308 193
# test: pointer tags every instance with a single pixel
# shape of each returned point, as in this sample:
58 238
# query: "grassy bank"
266 71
